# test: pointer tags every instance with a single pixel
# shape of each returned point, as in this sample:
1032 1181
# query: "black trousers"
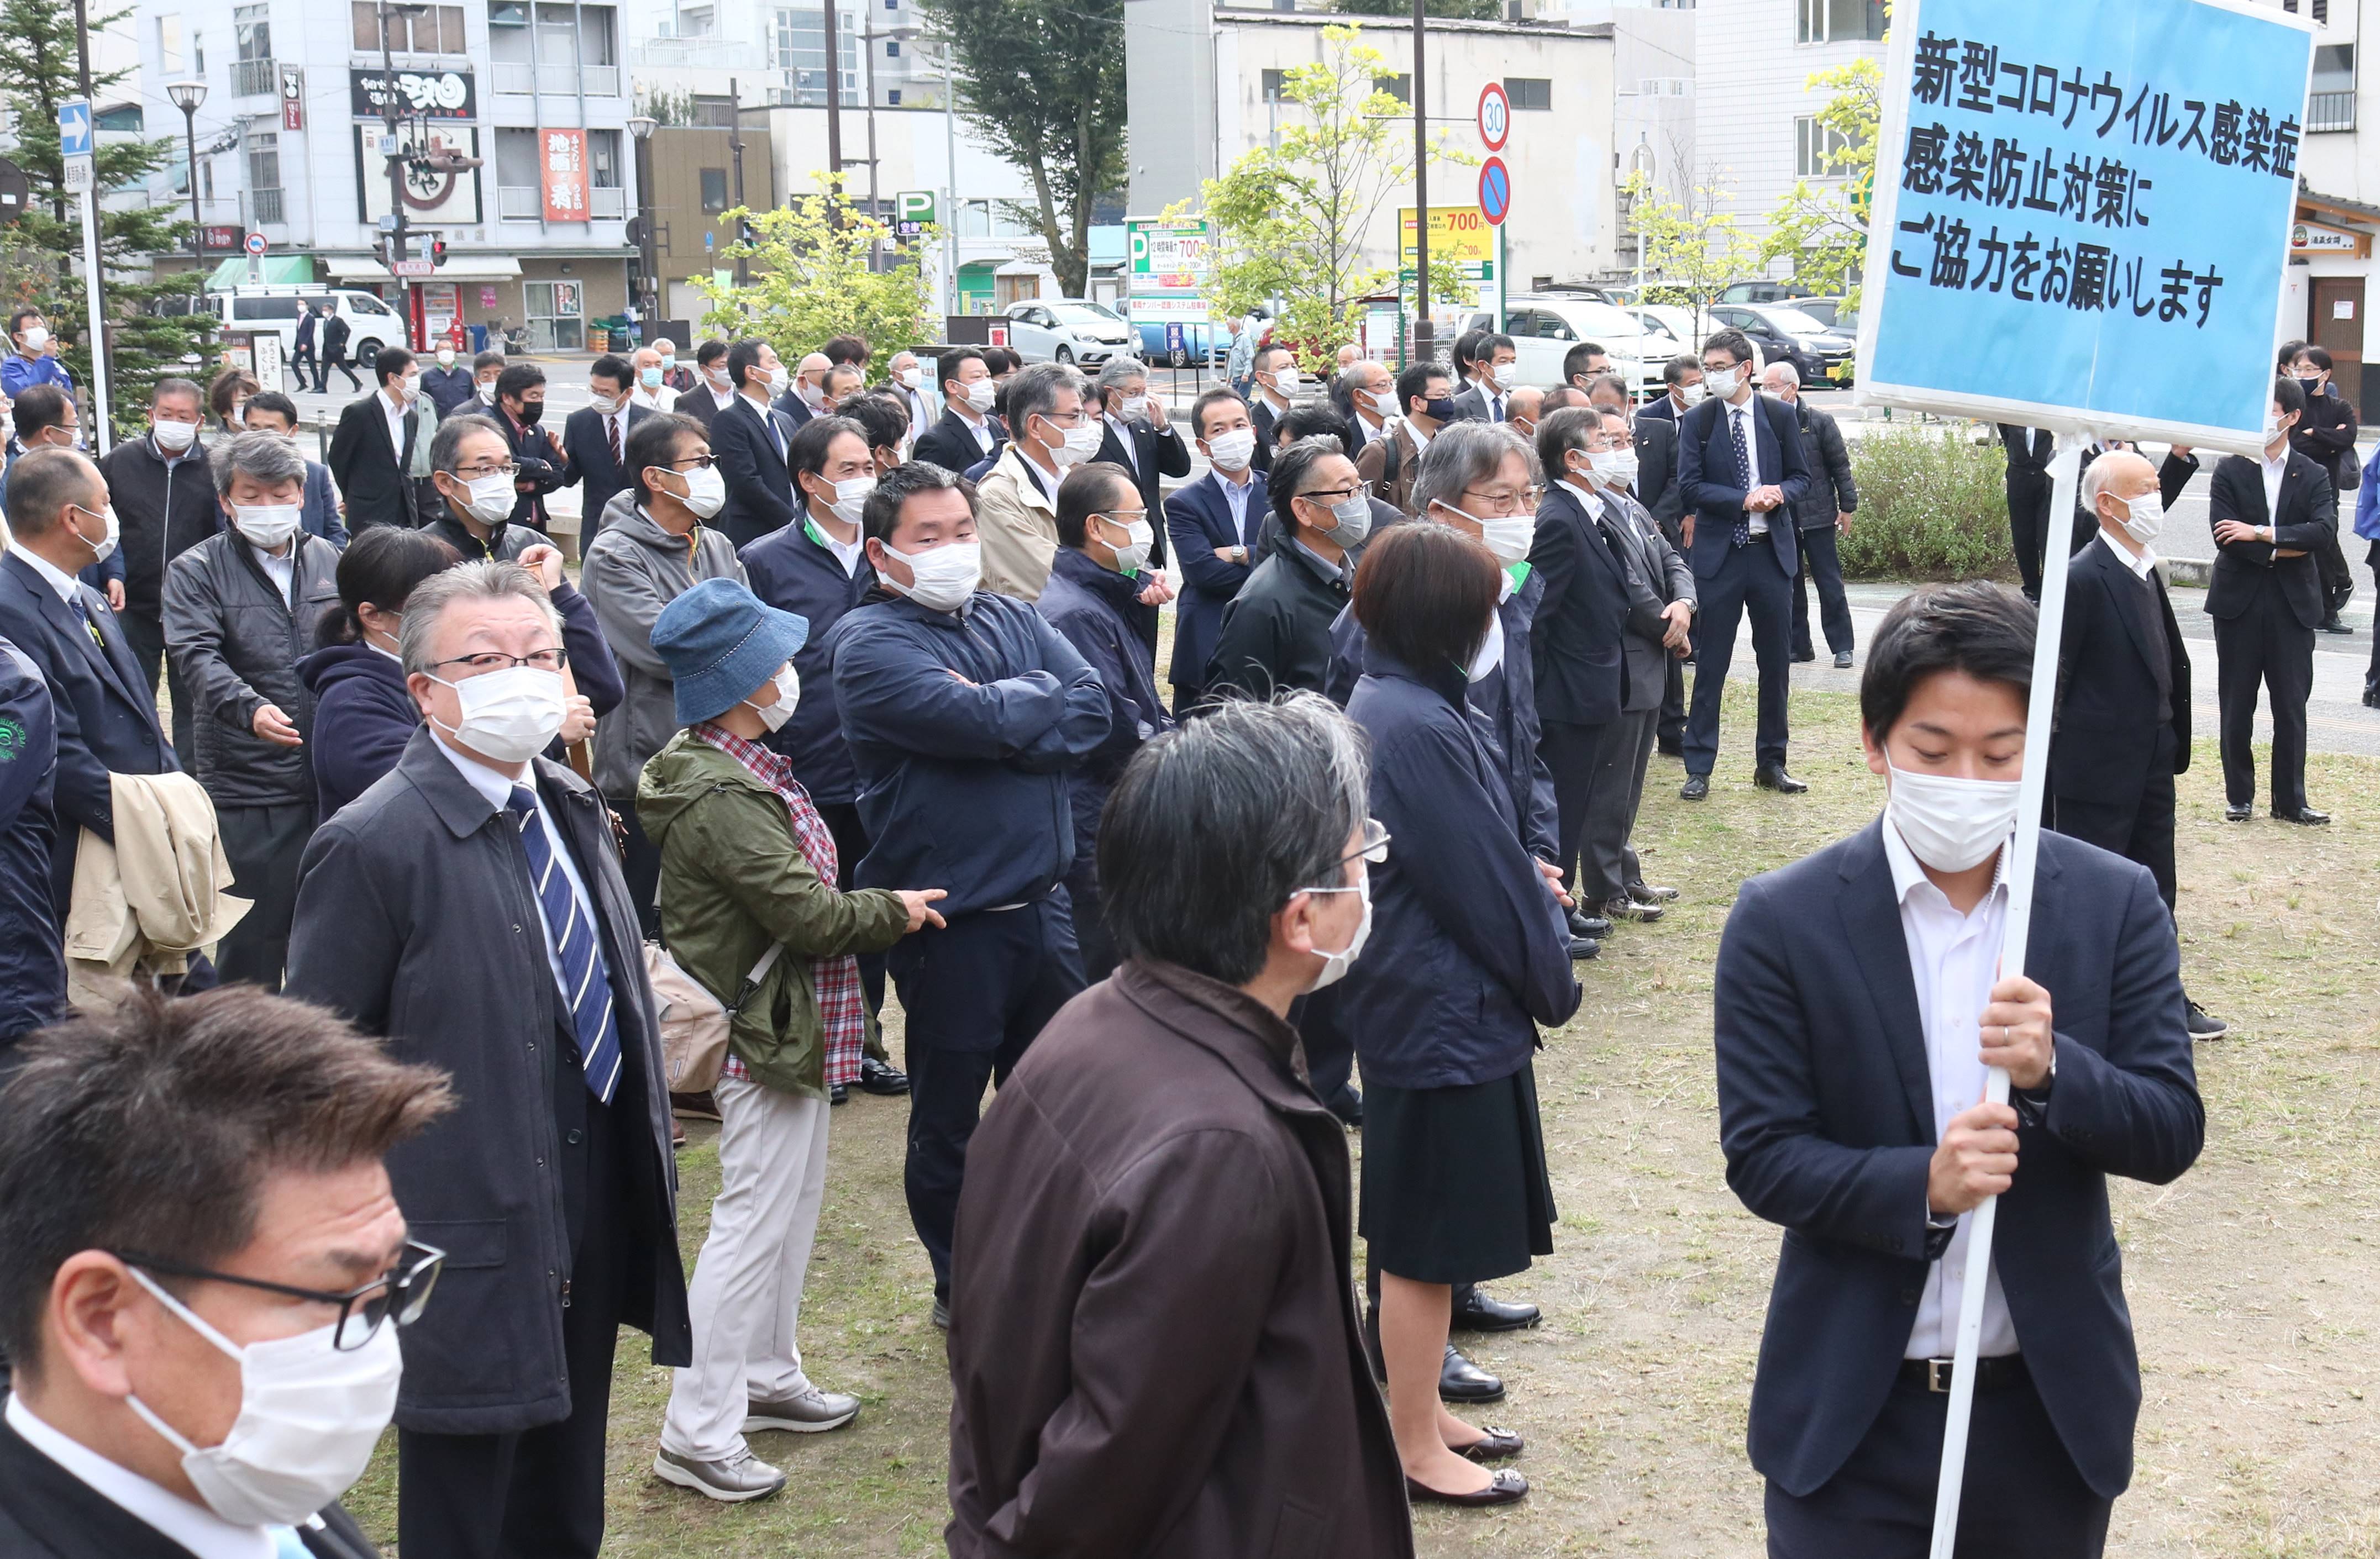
1329 1050
842 819
146 635
1569 753
640 862
264 845
301 360
336 361
1747 581
976 994
2372 673
2337 580
2264 647
1822 564
2028 506
2138 828
1671 726
537 1494
1091 939
2021 1494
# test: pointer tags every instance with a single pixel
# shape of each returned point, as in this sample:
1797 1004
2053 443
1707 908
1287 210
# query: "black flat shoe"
2331 624
838 1093
1627 907
1476 1310
1844 661
2237 812
2204 1024
1505 1487
880 1077
1593 928
1670 749
2306 815
1696 787
1803 657
1495 1445
2372 697
1459 1380
1585 947
1774 777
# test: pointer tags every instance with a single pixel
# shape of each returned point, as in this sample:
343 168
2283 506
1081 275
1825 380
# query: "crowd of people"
858 682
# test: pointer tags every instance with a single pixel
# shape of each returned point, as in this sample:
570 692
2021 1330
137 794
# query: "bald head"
1522 405
2115 479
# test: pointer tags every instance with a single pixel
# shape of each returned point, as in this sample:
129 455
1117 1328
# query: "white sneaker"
807 1412
741 1477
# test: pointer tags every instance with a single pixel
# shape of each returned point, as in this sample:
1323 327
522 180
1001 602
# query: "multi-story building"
2325 294
295 139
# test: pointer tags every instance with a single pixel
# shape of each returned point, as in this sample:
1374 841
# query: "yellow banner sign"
1456 233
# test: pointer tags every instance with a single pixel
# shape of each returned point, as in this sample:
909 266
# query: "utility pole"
736 153
1423 347
398 247
96 326
833 97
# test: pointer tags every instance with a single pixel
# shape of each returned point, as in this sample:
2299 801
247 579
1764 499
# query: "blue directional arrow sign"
74 127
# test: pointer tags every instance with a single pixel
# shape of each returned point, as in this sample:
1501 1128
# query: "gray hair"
1462 456
446 444
1220 821
167 387
268 457
1568 429
1784 369
2102 472
1121 370
1035 390
484 581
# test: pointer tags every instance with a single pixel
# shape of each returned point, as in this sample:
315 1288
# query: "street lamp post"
648 244
395 152
870 38
187 96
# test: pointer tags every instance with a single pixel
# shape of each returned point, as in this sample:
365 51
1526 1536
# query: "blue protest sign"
2082 213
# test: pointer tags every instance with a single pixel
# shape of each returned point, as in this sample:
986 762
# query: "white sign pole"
2065 469
90 301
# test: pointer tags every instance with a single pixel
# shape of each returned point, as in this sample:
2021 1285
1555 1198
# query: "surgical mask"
1286 381
1506 536
409 387
2143 518
104 547
509 715
912 377
2311 382
2272 429
777 711
1134 556
1616 467
1354 514
943 577
1722 382
309 1415
1132 410
445 357
491 498
1335 965
1694 394
850 497
604 404
1080 443
175 435
813 394
268 525
36 337
1952 824
1440 410
1382 402
706 491
1490 653
1502 375
487 393
1233 451
649 377
981 394
669 361
718 378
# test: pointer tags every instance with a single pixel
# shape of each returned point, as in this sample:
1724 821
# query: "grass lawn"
2254 1281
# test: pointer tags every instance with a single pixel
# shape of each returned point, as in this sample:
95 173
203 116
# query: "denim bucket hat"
720 642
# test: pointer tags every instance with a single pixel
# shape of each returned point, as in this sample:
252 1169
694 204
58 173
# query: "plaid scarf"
835 976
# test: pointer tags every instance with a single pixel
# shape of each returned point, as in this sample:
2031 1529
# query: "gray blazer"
1656 575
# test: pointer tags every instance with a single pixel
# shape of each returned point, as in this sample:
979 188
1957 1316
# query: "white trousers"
747 1292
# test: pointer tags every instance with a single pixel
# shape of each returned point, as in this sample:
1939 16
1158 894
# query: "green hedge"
1932 505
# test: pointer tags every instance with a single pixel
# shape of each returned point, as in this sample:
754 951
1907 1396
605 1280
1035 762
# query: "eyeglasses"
1509 501
699 461
472 474
1374 850
492 660
400 1292
1125 517
1327 496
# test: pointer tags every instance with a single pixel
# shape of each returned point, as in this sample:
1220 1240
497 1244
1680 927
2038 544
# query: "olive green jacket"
733 880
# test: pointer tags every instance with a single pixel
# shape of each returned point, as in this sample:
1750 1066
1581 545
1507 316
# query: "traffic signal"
438 249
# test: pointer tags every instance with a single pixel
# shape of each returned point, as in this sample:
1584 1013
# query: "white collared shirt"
397 414
845 554
1742 418
2273 469
1420 438
1123 437
661 399
2138 566
1953 963
65 584
282 571
496 788
977 424
205 1534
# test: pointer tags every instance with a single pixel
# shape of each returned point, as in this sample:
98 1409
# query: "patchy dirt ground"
2254 1281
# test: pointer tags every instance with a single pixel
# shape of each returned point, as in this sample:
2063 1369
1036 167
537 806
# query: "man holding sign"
1860 999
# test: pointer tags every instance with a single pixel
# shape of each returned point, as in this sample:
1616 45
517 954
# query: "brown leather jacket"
1154 1345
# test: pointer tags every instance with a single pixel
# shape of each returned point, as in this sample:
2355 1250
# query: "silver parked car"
1068 329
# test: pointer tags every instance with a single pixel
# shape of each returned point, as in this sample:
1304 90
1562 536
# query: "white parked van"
371 323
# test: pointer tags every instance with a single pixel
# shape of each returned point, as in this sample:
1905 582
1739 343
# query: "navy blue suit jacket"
1826 1120
1580 632
1198 520
1707 479
760 483
591 467
106 716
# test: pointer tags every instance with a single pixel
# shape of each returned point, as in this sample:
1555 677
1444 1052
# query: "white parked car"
1068 329
1545 326
371 323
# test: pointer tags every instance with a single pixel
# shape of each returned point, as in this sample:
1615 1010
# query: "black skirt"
1454 1186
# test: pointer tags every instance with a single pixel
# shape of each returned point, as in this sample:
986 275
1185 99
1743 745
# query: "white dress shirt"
396 412
496 788
2273 468
194 1527
1953 961
1750 431
845 554
65 584
662 399
282 571
2138 566
1131 446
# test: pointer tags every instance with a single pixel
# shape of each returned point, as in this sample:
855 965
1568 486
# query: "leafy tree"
1454 10
811 280
1823 228
1291 220
39 255
1692 246
1043 80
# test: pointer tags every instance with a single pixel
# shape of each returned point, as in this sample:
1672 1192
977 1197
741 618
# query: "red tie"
611 425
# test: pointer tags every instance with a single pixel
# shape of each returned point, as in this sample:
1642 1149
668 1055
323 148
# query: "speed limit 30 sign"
1495 116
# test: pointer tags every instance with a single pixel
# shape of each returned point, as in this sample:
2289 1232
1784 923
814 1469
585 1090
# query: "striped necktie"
1743 537
588 982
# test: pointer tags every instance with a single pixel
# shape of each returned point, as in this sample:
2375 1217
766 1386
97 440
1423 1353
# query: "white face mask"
812 394
1491 651
1722 382
1285 381
1616 467
1335 965
268 525
1233 451
487 393
409 388
36 337
1078 444
1694 394
2144 518
775 713
175 435
912 377
309 1415
2272 429
1508 535
1382 402
1141 537
850 497
981 394
491 498
944 577
706 491
509 715
718 378
1951 824
604 404
1502 374
1132 410
445 357
104 547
